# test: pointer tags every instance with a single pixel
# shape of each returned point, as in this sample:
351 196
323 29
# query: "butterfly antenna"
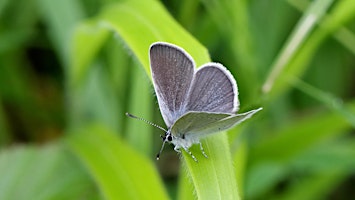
146 121
162 147
151 123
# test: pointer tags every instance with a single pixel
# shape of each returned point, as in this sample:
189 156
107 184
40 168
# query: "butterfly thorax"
181 140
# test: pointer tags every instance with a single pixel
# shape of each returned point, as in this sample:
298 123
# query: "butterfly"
194 103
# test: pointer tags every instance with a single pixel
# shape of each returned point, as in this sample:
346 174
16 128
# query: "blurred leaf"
328 156
240 163
87 42
13 39
12 73
262 178
327 99
95 101
302 134
312 187
329 164
120 76
185 187
342 13
232 19
306 24
5 134
61 17
187 12
343 35
21 99
48 172
3 5
274 155
139 134
138 18
120 172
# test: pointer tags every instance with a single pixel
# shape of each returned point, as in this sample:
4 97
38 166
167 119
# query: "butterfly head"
166 138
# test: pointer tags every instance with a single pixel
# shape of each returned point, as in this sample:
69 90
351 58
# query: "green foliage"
45 172
117 168
69 70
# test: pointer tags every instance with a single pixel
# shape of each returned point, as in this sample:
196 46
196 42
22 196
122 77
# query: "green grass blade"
329 100
232 19
150 20
328 156
343 35
212 177
342 13
120 172
137 19
305 26
185 187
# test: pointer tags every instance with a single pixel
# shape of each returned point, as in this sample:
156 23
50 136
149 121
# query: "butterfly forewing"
172 71
213 89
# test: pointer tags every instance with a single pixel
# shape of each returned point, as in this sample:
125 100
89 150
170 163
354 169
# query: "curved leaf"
120 172
138 27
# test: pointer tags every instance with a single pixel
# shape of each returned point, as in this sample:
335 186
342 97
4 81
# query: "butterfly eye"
163 138
169 138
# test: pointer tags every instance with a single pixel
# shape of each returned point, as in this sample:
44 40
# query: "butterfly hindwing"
213 89
199 124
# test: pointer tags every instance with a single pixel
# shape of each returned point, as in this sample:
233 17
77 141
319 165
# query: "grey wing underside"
199 124
179 89
213 89
172 71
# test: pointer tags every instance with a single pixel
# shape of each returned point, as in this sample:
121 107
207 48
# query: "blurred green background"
70 69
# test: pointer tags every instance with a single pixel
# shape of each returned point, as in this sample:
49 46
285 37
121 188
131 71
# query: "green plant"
69 70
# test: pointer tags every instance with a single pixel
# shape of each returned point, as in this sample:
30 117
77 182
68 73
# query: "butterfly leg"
189 152
177 149
202 150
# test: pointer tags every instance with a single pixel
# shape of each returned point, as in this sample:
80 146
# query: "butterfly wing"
213 90
172 72
199 124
